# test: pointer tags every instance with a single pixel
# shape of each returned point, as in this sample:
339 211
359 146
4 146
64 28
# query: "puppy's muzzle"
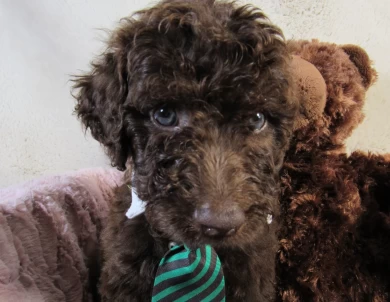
220 222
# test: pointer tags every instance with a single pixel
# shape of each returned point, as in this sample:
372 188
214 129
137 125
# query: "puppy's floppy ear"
100 96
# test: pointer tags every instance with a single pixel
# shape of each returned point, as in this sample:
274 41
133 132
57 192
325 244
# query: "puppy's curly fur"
217 64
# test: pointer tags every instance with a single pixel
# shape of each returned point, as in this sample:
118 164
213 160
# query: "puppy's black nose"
221 222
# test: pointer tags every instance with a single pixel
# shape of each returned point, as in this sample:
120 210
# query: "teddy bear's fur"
335 239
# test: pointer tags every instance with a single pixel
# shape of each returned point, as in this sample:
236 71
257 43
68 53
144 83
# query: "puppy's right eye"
166 116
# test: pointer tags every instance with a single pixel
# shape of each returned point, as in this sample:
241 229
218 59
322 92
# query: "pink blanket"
49 236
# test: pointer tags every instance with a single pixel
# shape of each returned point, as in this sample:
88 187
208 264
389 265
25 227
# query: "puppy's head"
195 94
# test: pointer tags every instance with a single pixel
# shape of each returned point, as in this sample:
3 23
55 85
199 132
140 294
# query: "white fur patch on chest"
137 205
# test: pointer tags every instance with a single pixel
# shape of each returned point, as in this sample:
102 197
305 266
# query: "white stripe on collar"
137 205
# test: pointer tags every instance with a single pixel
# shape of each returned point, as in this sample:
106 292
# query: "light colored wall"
43 42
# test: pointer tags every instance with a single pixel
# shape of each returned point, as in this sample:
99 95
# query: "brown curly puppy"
195 96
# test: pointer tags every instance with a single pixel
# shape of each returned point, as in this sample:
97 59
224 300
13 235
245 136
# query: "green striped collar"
186 274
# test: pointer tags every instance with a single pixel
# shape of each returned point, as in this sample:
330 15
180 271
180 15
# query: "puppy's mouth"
216 241
216 237
234 234
218 233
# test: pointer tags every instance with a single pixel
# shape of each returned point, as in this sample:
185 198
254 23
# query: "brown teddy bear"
335 238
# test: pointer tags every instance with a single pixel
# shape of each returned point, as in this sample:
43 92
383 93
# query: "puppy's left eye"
257 121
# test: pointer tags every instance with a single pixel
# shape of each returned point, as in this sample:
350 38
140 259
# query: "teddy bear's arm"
374 179
373 227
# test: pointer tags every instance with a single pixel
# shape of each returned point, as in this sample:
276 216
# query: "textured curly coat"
218 65
335 236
